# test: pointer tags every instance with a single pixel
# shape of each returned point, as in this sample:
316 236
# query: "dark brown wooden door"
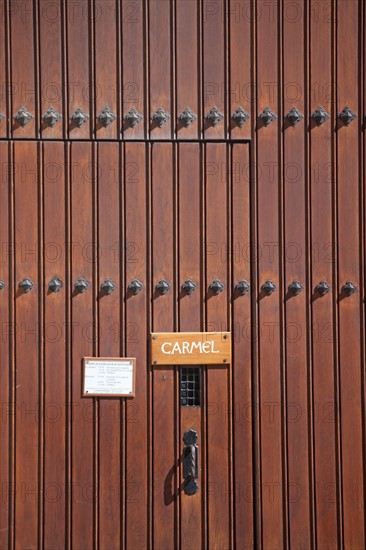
281 431
94 472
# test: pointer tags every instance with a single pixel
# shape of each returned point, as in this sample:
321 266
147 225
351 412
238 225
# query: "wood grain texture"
79 75
136 246
269 268
24 85
348 201
106 67
27 351
51 66
3 72
161 66
280 429
192 508
242 334
164 401
218 381
55 376
324 335
134 58
187 66
83 414
240 85
295 269
111 343
214 66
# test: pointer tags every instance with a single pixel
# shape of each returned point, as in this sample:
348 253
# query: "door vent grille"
190 387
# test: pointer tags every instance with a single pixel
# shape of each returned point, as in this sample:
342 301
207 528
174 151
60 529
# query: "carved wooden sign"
190 348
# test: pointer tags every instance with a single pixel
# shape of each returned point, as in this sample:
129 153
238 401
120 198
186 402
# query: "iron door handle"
190 462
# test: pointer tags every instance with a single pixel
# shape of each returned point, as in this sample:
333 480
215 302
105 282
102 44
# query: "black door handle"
190 462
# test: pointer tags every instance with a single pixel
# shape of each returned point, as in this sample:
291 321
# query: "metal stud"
187 117
349 288
242 287
268 287
135 287
216 286
108 286
23 116
322 288
294 116
295 288
320 116
51 117
160 117
189 287
106 117
80 117
81 285
2 285
55 284
26 285
347 116
267 116
133 118
214 116
240 117
163 287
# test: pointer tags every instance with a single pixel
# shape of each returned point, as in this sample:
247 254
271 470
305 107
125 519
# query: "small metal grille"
190 387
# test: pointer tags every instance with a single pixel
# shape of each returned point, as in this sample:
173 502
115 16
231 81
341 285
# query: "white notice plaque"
109 376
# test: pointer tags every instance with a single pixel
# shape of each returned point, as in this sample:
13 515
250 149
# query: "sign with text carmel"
190 348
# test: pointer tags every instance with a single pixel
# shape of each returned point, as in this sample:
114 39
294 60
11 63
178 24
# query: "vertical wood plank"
218 406
51 57
110 331
214 81
190 319
295 256
348 200
4 84
187 21
243 409
138 456
134 40
106 68
163 390
55 261
240 86
23 74
322 257
269 234
160 70
80 93
83 418
5 349
27 346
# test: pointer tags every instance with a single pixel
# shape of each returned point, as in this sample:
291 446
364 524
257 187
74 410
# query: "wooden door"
105 472
266 191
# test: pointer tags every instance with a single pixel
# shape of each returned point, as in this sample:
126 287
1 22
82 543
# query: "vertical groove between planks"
41 336
13 348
